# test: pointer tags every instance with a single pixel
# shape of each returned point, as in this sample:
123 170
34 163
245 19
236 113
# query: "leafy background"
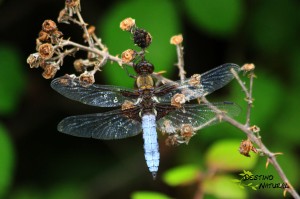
38 162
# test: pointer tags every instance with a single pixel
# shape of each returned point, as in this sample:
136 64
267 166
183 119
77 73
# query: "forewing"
196 115
105 126
94 95
209 82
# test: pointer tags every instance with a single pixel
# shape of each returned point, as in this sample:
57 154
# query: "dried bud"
142 38
248 67
49 26
86 78
33 60
195 80
46 51
177 39
63 16
43 36
79 65
128 55
246 146
50 71
127 24
72 3
177 100
127 105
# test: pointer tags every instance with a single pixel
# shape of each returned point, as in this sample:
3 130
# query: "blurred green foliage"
7 159
218 17
12 81
148 195
181 175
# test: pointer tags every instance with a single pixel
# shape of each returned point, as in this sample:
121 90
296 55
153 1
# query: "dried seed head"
86 79
127 105
79 65
142 38
245 147
176 39
128 55
43 36
177 100
33 60
72 3
195 80
46 51
49 26
127 24
248 67
50 71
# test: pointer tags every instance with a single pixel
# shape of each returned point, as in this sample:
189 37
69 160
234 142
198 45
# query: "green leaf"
7 158
223 155
181 175
236 180
223 187
265 105
254 188
148 195
12 79
161 25
217 17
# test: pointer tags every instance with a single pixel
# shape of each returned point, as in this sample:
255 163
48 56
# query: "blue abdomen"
150 143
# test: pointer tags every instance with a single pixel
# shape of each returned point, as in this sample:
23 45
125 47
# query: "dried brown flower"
87 78
248 67
72 3
43 36
33 60
176 39
128 55
49 26
46 51
195 80
187 132
245 147
50 71
177 100
127 24
168 127
79 65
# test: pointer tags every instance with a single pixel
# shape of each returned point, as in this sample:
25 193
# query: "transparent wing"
95 95
197 115
209 82
105 126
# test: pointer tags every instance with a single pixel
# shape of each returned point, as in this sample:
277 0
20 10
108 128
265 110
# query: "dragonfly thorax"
144 82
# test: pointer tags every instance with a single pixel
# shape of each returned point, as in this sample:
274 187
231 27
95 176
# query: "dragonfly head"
144 68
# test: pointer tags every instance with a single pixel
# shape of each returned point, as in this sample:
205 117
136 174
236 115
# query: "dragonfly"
146 108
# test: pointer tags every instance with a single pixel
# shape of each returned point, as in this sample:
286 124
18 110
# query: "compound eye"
144 67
